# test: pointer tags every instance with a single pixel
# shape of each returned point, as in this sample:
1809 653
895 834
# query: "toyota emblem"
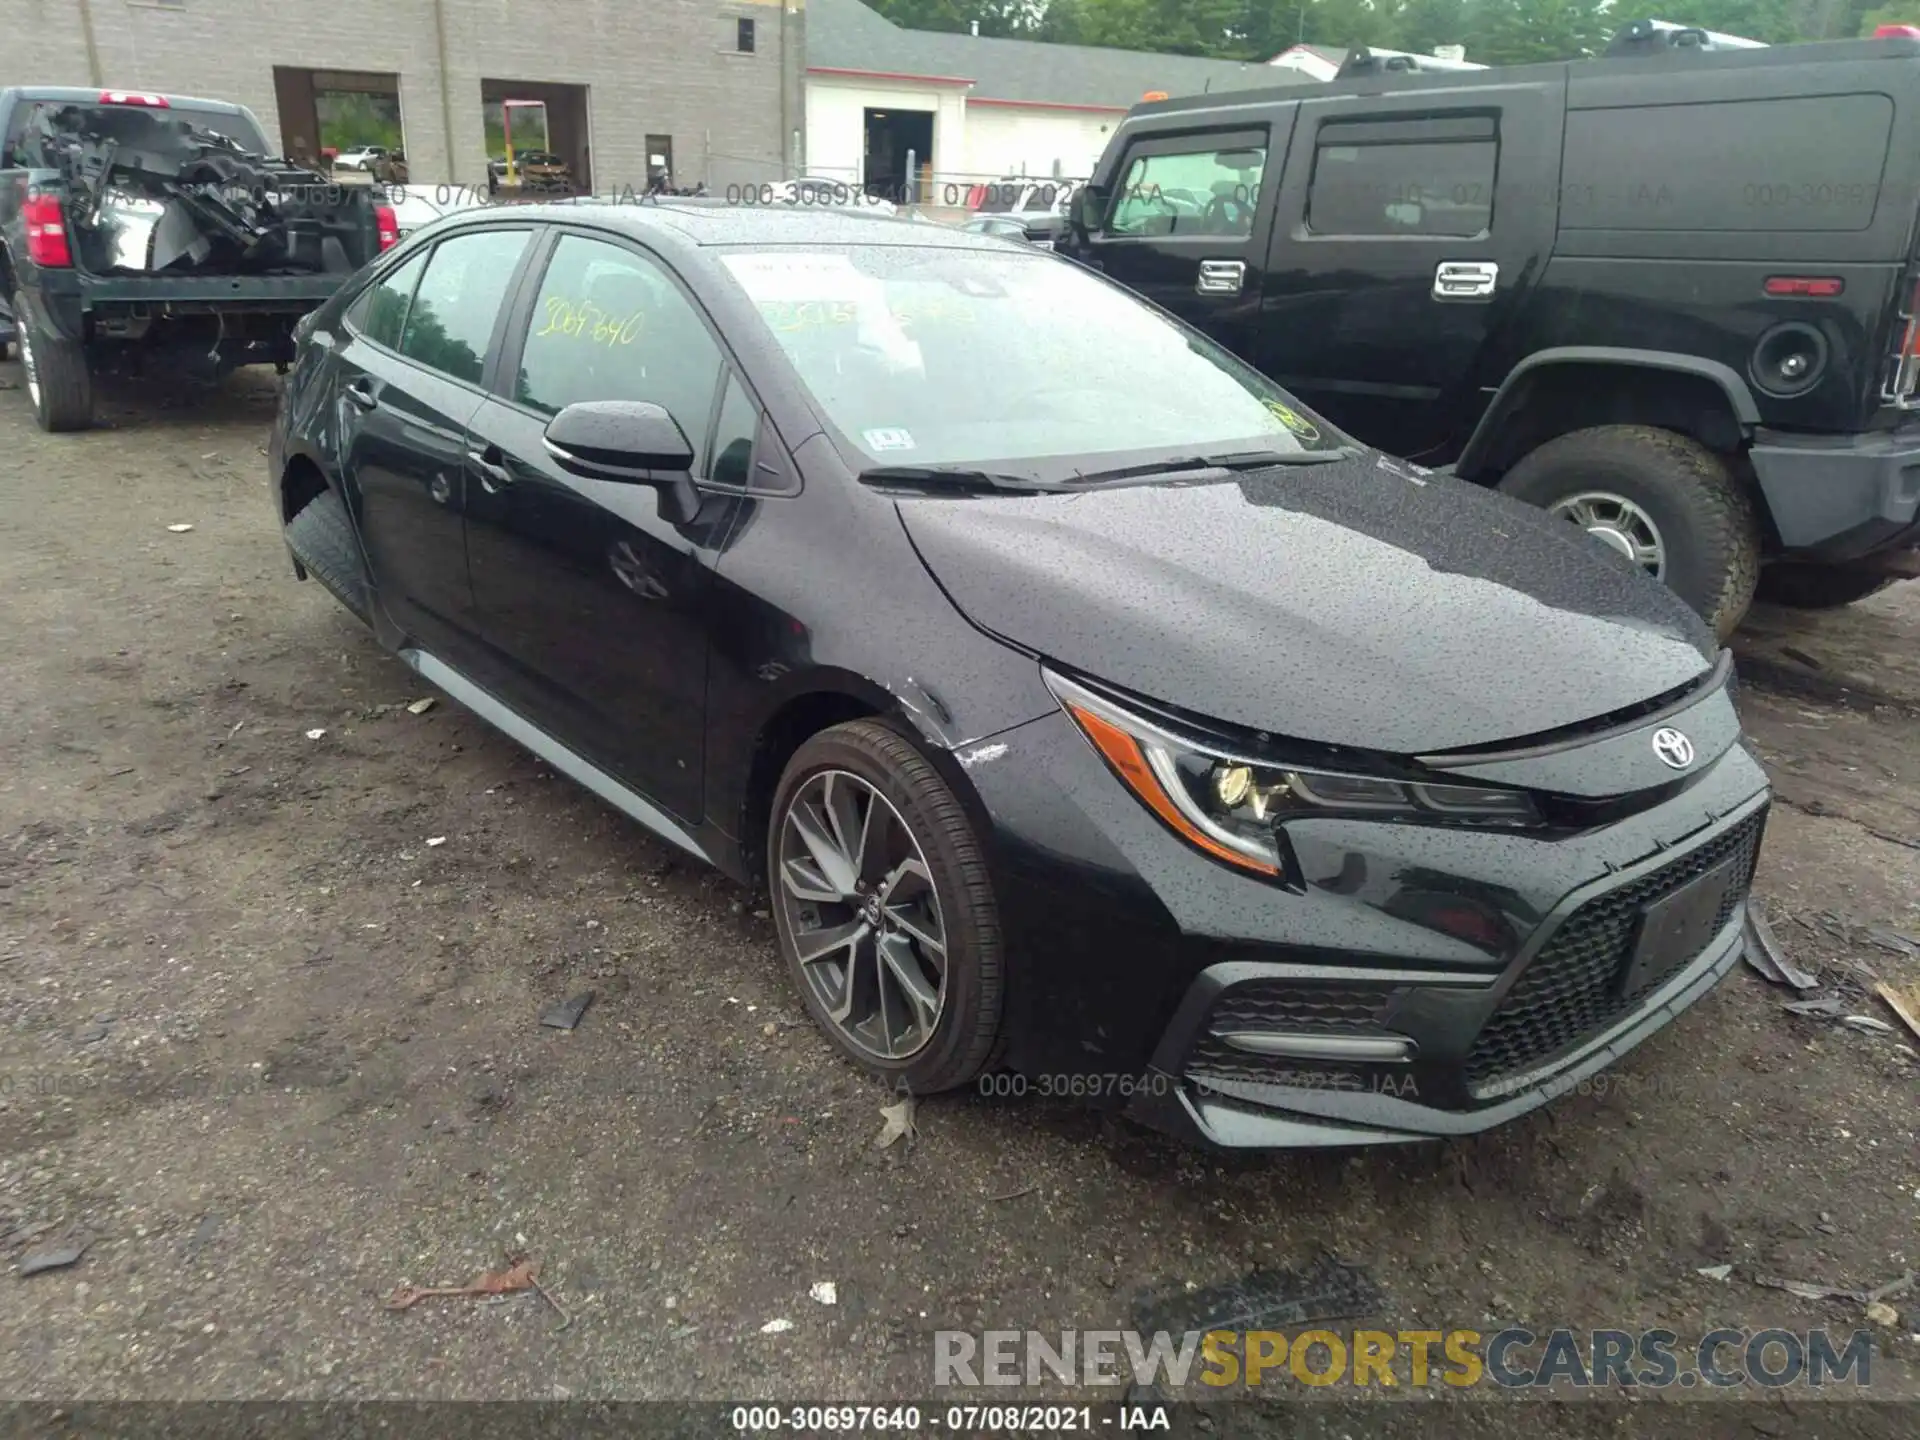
1673 748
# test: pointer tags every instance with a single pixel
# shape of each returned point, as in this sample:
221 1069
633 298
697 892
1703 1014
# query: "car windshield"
923 355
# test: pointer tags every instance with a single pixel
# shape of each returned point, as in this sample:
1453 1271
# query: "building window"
743 38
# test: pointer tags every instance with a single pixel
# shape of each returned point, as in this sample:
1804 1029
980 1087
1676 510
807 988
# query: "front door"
409 380
1185 226
593 597
1408 230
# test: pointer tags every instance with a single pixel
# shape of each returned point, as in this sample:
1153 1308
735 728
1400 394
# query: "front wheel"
1819 587
885 908
1663 500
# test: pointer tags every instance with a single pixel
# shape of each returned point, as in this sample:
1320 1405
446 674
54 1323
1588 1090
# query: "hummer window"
1204 191
1389 187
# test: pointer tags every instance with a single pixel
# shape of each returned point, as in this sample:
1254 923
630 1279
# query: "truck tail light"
131 97
46 233
388 224
1904 367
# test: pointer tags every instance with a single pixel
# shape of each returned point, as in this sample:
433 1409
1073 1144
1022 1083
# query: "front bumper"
1482 973
1485 1053
1837 498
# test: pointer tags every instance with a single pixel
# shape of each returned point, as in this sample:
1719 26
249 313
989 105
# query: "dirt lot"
270 1043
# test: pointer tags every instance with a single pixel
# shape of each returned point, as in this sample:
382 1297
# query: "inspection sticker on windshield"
1293 420
888 439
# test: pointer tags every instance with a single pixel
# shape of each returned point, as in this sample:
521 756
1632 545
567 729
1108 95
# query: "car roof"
717 221
90 95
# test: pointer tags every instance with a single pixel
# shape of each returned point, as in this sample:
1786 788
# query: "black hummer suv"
1669 292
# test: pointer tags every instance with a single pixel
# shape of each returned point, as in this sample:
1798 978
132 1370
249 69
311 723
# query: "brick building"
712 87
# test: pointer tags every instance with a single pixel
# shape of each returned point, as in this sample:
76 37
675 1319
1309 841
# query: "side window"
734 436
1380 180
450 323
380 313
608 324
1208 190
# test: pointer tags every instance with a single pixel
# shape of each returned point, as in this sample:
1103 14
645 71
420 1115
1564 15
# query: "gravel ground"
269 1039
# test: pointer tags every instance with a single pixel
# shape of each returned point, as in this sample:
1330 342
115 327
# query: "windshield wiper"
949 478
1232 461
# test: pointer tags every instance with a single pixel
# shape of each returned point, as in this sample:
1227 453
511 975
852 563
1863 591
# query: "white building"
971 109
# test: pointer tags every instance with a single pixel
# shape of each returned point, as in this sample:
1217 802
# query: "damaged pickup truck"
153 233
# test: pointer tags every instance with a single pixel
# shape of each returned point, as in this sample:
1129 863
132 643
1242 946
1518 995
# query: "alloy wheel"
1618 522
863 914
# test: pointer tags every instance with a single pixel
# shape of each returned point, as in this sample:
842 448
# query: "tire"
868 759
322 537
1710 537
1819 587
58 384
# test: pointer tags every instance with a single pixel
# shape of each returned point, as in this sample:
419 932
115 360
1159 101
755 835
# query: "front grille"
1289 1008
1568 992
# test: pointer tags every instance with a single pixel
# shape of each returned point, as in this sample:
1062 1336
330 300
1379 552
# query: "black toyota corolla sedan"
1099 721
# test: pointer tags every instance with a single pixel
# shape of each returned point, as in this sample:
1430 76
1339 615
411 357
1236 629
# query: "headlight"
1229 805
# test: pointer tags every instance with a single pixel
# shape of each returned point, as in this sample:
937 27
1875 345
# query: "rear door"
1184 222
408 381
1409 227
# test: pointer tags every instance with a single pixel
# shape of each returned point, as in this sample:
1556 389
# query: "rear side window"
1386 179
381 313
450 323
1206 190
1808 163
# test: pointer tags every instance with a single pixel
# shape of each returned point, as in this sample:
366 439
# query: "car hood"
1363 602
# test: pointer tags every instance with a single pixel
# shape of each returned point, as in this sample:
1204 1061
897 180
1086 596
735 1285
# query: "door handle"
1465 279
492 474
1221 277
360 392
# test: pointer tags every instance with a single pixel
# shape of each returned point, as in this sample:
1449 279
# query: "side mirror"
619 440
630 442
1084 210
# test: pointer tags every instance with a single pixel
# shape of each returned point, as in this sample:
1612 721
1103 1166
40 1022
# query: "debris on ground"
1828 1006
776 1327
1715 1272
1813 1290
519 1275
1895 942
420 707
58 1257
1869 1023
899 1121
435 841
565 1014
1881 1313
179 529
1013 1194
1764 953
314 734
1904 1003
826 1293
1328 1289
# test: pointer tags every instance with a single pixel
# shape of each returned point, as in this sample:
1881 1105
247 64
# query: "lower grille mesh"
1288 1008
1568 992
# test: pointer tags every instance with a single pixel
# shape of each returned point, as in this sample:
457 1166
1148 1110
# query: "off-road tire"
322 538
1705 514
965 1038
64 401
